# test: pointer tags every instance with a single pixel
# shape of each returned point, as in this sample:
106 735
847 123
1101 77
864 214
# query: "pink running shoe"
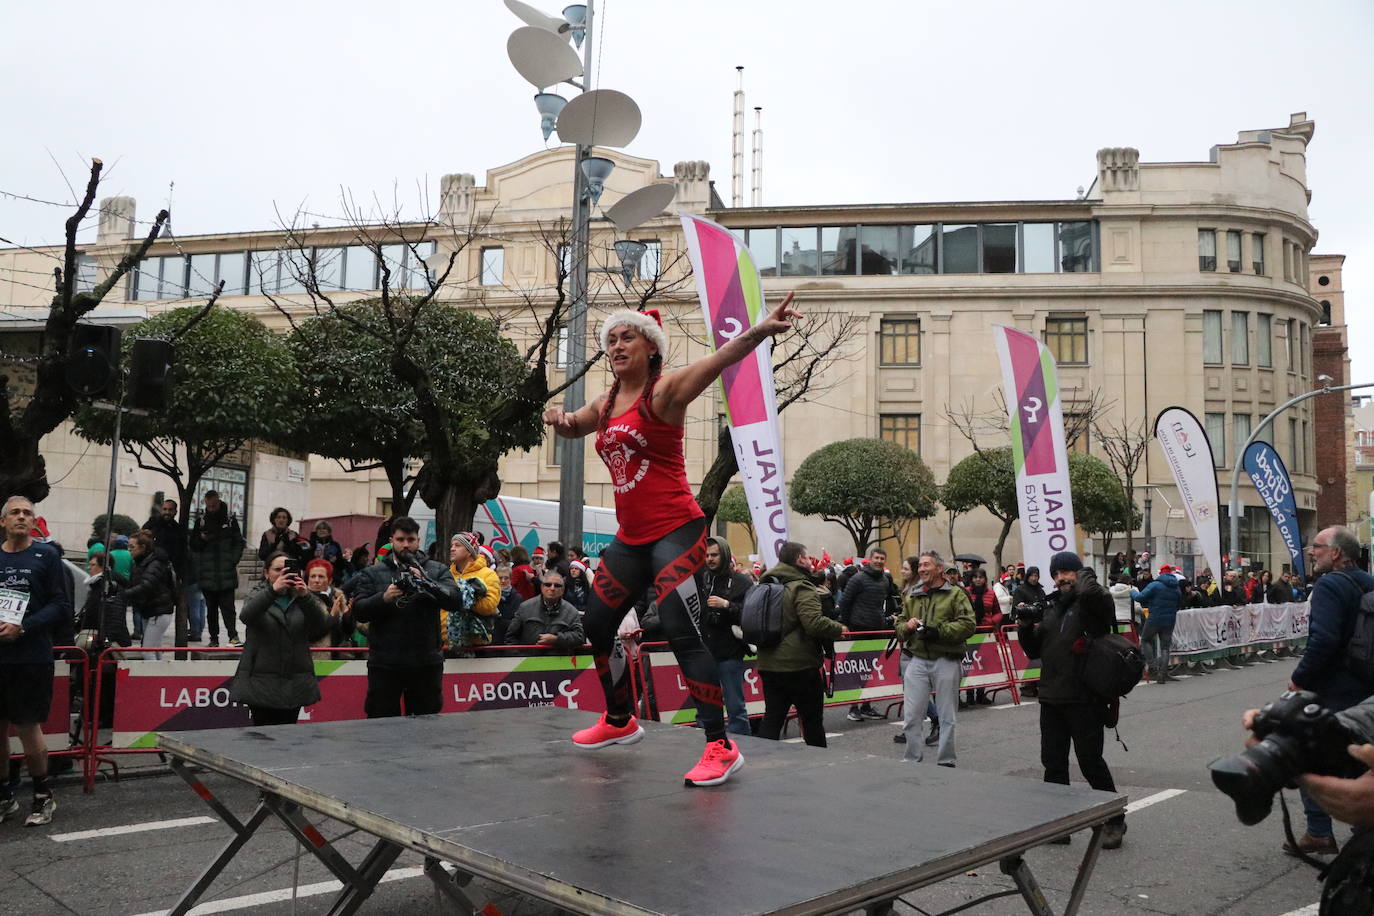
604 734
721 758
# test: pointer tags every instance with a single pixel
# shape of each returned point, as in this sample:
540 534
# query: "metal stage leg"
1020 872
242 833
355 893
450 885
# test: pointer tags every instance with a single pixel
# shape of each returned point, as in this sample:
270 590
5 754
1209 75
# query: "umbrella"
969 558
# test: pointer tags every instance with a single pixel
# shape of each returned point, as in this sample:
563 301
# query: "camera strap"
1292 841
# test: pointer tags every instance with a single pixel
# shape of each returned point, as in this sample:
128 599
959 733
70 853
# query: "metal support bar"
290 814
242 833
1085 871
1020 872
451 886
373 868
180 768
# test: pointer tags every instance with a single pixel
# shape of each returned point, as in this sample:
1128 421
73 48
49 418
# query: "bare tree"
26 419
1125 445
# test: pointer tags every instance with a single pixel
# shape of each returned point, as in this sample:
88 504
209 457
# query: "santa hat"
40 532
578 564
1166 568
485 551
538 552
646 322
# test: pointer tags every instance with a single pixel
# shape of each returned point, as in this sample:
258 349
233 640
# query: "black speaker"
150 373
93 360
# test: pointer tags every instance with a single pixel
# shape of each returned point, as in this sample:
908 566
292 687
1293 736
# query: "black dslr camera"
1298 735
409 583
1031 611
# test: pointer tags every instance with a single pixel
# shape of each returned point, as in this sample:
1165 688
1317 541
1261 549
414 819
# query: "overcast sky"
254 108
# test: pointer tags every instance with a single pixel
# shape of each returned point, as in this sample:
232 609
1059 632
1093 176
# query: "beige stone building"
1165 283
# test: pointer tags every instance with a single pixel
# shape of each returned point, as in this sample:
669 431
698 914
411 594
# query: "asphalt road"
1185 853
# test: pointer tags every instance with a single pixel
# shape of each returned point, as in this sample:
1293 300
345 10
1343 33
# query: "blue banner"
1270 477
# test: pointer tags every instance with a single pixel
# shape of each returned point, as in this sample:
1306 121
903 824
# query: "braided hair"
646 399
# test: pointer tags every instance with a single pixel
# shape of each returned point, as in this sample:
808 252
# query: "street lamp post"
1234 510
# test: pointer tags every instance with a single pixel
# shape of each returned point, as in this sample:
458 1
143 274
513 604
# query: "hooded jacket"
152 593
1161 598
803 624
485 607
947 609
863 603
717 623
216 547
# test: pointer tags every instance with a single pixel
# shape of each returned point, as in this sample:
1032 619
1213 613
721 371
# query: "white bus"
508 520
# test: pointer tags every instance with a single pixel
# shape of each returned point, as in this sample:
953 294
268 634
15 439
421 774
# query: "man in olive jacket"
936 620
791 670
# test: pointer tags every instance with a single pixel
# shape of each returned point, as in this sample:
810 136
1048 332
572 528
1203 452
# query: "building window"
1215 424
1076 433
838 256
1305 353
1290 344
1077 253
1206 249
1293 446
1257 253
556 443
233 272
1037 248
565 264
173 278
901 428
1067 340
1211 337
262 272
1240 338
1240 428
560 353
999 248
360 268
1264 340
959 248
918 246
899 342
1326 314
1287 260
328 268
879 250
798 252
493 266
763 245
651 265
1306 448
1233 250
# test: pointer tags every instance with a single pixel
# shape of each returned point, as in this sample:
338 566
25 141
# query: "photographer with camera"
1296 742
400 597
936 620
1070 713
722 590
1322 668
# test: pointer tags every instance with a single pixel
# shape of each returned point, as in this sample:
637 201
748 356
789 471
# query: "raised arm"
681 387
576 424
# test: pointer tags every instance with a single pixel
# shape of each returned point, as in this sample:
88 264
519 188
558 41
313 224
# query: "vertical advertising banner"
732 301
1031 385
1270 478
1189 453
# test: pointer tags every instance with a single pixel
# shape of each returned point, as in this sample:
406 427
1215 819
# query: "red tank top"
644 455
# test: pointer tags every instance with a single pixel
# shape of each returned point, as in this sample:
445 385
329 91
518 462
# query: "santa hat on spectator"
1166 568
825 558
646 322
538 552
327 566
40 532
758 569
578 564
485 551
848 561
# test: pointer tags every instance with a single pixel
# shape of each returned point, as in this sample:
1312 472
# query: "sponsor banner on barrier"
1022 668
860 671
1216 629
155 696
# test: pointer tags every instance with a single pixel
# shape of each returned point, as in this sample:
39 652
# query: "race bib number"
12 606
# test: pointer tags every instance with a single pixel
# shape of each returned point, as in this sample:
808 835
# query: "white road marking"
131 828
1309 910
827 735
1025 704
1155 799
305 890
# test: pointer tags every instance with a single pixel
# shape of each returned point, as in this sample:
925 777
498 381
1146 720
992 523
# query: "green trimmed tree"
734 507
1100 505
862 485
232 380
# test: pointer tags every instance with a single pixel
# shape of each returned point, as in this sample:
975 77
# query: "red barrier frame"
70 655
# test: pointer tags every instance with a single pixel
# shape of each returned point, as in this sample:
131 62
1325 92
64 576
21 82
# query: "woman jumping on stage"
662 538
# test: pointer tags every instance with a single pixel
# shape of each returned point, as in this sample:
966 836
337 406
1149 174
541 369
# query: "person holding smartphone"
281 618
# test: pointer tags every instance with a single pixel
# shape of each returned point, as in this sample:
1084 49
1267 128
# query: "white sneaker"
43 808
7 807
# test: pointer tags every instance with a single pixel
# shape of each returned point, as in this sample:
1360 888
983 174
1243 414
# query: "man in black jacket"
863 605
722 589
1079 609
405 660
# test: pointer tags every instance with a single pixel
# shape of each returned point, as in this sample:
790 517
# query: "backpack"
1113 666
761 618
1359 651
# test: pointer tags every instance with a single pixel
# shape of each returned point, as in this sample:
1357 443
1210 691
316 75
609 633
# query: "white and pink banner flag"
1031 385
731 302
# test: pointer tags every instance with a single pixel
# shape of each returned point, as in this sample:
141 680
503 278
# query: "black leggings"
668 566
220 601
